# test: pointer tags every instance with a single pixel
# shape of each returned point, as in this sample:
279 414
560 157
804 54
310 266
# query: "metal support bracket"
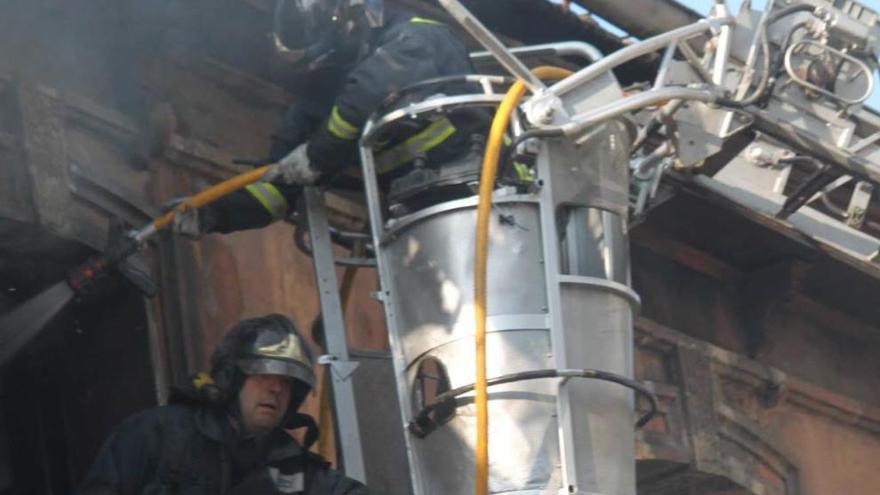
342 370
858 204
334 331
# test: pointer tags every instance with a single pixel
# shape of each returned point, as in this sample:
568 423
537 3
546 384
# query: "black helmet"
268 345
315 33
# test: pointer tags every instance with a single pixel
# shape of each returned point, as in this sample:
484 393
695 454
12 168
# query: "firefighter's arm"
121 464
405 60
253 207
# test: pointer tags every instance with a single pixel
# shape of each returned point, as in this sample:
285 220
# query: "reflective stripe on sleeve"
523 172
340 127
270 197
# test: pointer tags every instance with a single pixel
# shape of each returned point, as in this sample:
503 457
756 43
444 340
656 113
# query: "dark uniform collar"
212 424
283 446
223 428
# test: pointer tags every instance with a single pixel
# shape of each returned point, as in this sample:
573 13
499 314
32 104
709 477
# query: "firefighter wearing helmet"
350 55
225 432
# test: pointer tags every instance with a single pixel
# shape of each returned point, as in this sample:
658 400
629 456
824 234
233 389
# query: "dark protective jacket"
191 450
330 114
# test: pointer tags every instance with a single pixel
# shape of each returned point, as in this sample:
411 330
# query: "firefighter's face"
263 400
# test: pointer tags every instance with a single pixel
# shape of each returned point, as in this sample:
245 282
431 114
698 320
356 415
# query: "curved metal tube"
581 122
422 424
374 125
634 51
562 48
483 80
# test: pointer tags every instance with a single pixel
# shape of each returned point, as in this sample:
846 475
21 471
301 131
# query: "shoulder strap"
299 420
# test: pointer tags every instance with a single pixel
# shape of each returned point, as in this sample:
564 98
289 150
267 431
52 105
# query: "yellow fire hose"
84 275
487 184
203 198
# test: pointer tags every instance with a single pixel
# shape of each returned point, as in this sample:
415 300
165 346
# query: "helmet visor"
278 352
277 366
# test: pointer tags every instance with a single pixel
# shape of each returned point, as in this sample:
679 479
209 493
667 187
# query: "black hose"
422 424
816 181
787 11
766 68
345 240
777 63
299 240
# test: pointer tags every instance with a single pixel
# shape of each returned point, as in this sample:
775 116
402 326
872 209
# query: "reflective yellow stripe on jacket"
415 146
422 20
340 127
523 172
270 197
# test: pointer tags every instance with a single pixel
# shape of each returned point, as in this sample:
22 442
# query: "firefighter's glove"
294 168
188 223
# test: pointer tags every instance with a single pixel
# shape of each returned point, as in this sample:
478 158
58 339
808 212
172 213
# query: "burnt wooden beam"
762 292
686 255
686 185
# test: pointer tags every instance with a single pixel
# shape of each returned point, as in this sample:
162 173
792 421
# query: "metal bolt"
546 115
760 156
755 152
